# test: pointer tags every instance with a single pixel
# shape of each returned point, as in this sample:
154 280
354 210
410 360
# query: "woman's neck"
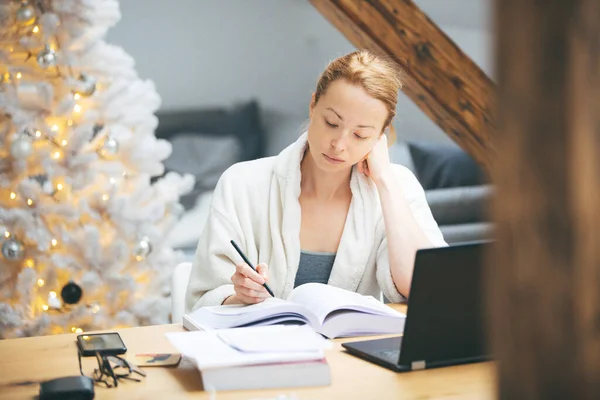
323 185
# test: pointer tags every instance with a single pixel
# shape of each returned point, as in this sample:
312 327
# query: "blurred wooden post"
544 275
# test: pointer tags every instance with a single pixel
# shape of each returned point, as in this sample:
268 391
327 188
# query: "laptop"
444 324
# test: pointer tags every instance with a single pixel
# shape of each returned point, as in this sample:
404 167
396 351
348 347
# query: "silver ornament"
46 58
110 147
25 14
21 147
86 85
142 249
13 250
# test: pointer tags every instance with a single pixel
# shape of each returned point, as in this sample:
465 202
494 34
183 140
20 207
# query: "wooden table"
40 358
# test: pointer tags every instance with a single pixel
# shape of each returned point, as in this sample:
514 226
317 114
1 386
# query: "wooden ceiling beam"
438 76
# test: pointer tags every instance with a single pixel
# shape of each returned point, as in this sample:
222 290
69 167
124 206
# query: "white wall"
207 52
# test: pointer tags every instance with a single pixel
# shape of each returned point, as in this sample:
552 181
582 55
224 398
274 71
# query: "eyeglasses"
111 369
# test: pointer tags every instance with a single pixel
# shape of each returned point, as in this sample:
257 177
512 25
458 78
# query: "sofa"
457 190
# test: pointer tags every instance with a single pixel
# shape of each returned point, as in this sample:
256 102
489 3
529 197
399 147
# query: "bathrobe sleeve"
210 277
415 195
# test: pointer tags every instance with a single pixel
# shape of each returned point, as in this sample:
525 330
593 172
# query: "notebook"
256 357
331 311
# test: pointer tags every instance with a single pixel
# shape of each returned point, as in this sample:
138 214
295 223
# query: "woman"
330 208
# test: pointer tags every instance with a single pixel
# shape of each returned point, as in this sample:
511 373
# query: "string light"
13 195
78 330
52 294
59 186
105 197
19 75
29 263
76 96
54 242
29 202
95 308
45 307
70 122
63 142
7 234
54 128
56 155
112 181
36 29
40 282
77 108
38 134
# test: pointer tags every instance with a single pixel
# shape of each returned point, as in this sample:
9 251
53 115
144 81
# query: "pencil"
241 253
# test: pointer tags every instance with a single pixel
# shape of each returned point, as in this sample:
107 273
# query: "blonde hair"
377 76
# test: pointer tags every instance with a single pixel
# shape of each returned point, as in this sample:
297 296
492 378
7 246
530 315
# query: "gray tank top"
314 267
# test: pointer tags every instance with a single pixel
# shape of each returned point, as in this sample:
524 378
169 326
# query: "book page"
323 299
209 351
270 311
274 338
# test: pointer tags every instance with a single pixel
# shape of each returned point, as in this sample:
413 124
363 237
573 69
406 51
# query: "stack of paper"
275 356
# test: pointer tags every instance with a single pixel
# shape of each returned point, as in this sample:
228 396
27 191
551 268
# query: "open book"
331 311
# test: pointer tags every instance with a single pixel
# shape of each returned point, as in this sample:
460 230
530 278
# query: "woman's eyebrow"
340 117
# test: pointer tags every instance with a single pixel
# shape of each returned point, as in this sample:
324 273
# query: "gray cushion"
242 121
467 232
204 156
444 165
459 205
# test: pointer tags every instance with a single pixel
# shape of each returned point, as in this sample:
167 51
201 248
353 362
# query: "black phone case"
110 351
69 387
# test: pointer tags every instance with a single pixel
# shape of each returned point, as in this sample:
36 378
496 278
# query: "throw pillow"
443 166
243 121
205 156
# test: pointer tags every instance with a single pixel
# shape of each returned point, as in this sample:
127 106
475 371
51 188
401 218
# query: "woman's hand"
376 165
248 284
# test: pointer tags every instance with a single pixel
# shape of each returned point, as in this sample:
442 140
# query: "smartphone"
103 343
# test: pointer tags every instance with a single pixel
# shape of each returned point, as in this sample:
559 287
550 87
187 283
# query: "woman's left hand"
376 165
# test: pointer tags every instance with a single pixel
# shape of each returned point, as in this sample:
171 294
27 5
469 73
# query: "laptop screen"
445 310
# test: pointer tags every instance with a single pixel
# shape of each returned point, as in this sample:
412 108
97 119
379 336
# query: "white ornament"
46 58
13 250
25 14
21 147
143 248
110 147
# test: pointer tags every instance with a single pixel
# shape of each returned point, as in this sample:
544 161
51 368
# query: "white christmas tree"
82 223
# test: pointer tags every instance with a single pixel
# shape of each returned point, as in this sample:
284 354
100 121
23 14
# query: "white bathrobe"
256 204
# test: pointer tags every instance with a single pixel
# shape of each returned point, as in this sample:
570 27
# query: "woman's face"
345 124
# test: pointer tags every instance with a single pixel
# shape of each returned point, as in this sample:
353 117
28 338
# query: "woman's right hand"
248 284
